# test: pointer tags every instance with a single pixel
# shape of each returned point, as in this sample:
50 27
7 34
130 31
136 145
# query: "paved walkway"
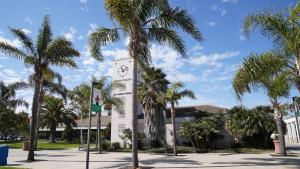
73 159
293 147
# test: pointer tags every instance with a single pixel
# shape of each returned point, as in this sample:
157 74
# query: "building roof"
105 120
189 111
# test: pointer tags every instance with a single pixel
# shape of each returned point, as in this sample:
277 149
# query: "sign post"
95 106
296 101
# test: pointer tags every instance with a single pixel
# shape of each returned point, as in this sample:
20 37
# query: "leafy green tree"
265 71
45 52
172 96
79 101
283 28
253 127
150 92
54 113
202 132
143 21
13 124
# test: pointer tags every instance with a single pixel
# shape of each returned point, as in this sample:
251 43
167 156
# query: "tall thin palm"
266 71
173 95
283 28
108 100
53 113
143 21
52 84
41 55
150 92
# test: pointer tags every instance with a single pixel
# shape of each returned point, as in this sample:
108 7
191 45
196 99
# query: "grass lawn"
1 167
44 145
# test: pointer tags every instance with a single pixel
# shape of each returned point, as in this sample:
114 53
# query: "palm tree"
40 56
283 28
8 98
51 85
143 21
80 97
173 95
266 71
53 113
108 101
150 92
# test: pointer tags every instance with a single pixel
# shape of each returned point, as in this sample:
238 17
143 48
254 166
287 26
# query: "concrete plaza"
74 159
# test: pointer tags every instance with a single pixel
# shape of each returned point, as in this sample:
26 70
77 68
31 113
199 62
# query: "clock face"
123 71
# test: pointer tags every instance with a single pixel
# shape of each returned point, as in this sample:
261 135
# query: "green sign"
97 101
96 108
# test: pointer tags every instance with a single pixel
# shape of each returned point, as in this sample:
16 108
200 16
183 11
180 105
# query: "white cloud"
219 9
242 36
26 31
70 34
80 37
214 7
89 61
211 24
83 1
14 42
84 6
92 28
197 48
28 20
212 59
9 76
223 12
182 77
229 1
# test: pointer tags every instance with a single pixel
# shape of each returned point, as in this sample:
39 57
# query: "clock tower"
122 73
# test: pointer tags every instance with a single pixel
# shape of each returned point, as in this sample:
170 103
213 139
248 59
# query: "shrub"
105 145
115 146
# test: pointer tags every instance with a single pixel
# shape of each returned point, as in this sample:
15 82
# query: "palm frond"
60 50
258 71
179 18
187 93
168 36
44 36
26 40
101 37
121 11
272 25
12 51
19 85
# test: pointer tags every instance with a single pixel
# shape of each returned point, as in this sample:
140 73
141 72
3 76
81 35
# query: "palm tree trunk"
135 162
98 132
38 117
279 123
81 134
35 106
174 128
52 132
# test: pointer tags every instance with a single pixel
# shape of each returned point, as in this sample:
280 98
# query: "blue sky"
208 71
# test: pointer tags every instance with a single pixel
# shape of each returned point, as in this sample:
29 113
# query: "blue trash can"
3 154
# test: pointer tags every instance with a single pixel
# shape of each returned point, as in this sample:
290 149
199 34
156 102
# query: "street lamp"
296 101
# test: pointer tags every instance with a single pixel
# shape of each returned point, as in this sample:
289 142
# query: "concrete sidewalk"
74 159
295 148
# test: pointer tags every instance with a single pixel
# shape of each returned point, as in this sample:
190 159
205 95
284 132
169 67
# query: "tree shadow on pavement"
170 160
294 162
